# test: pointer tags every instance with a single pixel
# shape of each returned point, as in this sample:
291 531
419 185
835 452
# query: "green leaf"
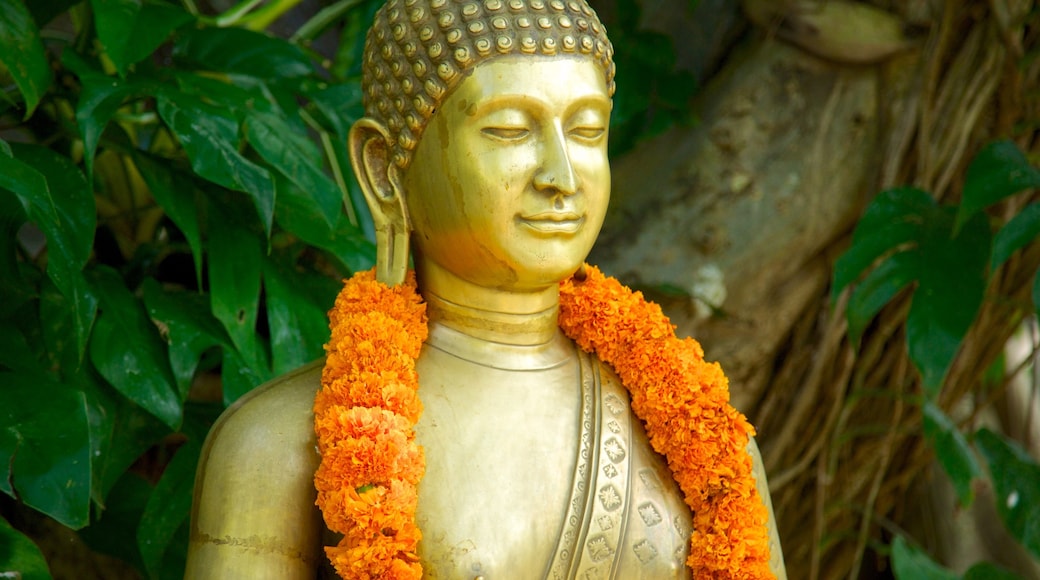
297 213
891 221
294 157
55 341
349 55
896 205
44 445
338 106
127 351
114 20
115 531
189 329
43 11
176 193
168 507
867 249
99 99
153 26
299 327
18 280
22 53
1000 170
175 560
1016 487
950 271
30 187
951 285
220 91
69 202
209 136
1022 229
1036 292
952 450
877 289
20 555
15 352
236 377
235 270
909 563
241 52
62 206
988 571
120 431
130 30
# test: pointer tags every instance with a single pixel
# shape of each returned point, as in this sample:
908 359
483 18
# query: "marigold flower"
366 412
684 403
364 419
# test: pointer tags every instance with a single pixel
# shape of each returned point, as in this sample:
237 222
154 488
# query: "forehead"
555 82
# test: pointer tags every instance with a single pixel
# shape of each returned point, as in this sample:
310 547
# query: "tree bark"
733 225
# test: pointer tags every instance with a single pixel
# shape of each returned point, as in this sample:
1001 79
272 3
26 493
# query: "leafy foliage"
22 555
904 240
1015 482
176 207
952 450
909 563
172 199
916 242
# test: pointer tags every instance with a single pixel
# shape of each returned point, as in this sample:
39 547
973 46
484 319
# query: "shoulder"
274 407
253 512
275 421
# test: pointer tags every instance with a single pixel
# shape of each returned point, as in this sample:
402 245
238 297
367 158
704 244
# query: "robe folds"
537 468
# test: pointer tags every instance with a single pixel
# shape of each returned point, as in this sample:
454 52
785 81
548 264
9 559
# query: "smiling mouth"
553 222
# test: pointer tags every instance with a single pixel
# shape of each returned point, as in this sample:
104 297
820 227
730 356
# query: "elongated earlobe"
370 157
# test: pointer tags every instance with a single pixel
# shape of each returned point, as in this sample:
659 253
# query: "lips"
553 222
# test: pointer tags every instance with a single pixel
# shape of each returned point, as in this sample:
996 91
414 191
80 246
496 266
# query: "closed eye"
506 133
588 133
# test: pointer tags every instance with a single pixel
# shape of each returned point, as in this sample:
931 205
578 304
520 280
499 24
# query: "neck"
488 314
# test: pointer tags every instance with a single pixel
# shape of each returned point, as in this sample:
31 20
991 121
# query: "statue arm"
776 555
253 514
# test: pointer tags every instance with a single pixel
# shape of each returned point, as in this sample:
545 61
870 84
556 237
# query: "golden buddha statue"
484 148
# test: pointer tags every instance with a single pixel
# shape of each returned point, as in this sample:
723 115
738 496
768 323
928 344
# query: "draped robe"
566 489
513 490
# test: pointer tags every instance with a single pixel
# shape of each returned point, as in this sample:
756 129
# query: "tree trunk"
734 225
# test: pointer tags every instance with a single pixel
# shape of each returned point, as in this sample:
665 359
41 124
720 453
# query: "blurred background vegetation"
178 210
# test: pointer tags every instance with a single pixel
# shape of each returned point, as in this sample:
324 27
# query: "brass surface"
536 467
509 187
253 514
417 52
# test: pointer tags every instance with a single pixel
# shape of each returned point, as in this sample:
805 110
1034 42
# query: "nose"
556 174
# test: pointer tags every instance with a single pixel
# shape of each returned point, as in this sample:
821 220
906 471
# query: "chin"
548 275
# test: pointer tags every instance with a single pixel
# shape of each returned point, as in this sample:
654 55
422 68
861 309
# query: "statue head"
531 81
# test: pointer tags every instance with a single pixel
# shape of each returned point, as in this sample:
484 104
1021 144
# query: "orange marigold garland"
364 417
684 402
367 408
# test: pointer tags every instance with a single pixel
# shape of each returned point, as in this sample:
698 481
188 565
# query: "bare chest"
500 449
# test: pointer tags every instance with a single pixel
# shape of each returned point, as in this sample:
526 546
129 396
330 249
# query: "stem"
322 20
263 17
337 171
232 15
1027 428
143 118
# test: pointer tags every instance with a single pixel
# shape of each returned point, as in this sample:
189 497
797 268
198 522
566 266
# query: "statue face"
510 182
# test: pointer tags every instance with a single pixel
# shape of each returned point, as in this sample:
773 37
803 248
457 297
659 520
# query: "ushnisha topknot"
417 51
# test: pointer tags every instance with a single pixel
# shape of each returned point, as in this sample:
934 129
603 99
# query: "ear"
370 156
